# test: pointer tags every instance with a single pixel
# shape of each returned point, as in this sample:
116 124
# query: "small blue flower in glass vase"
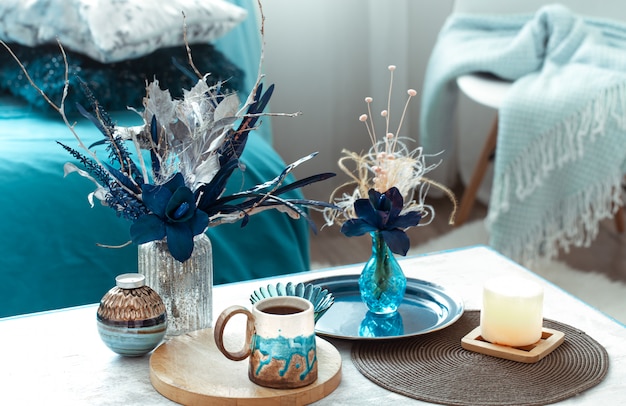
392 176
381 212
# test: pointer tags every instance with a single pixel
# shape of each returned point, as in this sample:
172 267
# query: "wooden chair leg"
469 196
619 220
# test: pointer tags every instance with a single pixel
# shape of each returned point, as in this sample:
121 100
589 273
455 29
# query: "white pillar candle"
512 312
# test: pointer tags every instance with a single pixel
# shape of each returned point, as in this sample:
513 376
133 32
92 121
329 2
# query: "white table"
58 358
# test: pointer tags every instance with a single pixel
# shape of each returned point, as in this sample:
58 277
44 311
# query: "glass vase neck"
379 246
382 282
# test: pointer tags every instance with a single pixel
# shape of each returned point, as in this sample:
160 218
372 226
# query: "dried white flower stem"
389 163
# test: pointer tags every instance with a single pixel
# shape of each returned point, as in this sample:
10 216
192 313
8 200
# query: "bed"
49 233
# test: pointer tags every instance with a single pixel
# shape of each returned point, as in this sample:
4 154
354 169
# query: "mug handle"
218 332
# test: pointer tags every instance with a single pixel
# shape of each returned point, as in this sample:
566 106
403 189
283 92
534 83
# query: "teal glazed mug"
279 342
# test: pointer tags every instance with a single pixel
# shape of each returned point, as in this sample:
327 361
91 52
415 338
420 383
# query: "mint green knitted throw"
561 153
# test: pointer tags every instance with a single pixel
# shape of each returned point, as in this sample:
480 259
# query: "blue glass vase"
382 282
382 325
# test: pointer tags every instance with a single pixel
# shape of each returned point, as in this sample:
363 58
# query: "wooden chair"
490 91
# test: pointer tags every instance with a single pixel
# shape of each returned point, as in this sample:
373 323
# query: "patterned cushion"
116 85
110 31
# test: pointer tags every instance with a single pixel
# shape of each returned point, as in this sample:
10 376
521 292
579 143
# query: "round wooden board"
189 369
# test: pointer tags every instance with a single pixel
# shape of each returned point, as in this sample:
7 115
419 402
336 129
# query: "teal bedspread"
48 231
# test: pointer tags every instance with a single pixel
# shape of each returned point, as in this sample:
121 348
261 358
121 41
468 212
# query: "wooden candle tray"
550 339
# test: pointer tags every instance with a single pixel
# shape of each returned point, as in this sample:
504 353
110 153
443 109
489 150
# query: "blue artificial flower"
381 213
174 211
173 214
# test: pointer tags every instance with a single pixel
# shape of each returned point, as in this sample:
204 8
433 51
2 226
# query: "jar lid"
130 280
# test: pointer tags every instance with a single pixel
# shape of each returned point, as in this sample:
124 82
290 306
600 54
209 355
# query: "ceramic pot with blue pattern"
279 341
131 317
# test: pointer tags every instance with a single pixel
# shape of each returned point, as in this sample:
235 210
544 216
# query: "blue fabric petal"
181 195
356 227
397 240
177 181
396 201
363 208
383 220
409 219
199 222
179 240
374 198
156 198
384 204
147 228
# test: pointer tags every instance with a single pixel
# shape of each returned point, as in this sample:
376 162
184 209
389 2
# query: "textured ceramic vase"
382 282
279 341
185 287
131 317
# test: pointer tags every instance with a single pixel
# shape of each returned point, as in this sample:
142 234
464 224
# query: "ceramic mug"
280 341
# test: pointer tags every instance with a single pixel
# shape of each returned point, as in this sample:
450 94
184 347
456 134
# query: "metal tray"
426 307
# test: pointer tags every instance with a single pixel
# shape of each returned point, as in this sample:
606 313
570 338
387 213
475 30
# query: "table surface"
58 358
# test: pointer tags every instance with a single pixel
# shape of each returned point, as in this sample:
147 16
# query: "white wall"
326 56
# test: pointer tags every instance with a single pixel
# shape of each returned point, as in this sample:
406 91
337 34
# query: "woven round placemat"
435 368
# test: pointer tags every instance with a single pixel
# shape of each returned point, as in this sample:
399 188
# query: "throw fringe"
573 221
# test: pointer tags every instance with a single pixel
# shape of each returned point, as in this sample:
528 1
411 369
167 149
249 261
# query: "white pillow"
115 30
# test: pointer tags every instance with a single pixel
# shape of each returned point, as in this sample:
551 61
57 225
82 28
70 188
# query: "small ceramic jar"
131 316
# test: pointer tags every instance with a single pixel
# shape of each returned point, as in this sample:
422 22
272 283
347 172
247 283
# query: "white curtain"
326 56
